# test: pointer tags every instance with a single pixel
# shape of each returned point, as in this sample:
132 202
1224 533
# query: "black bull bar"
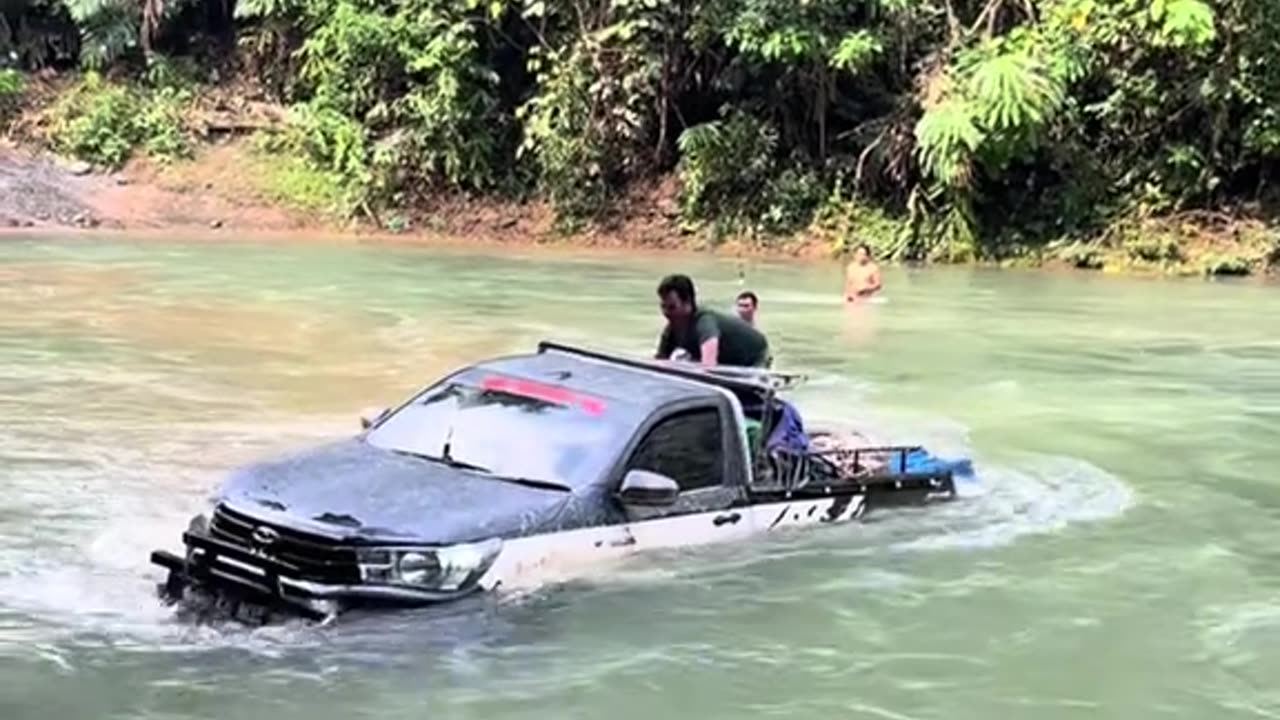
238 573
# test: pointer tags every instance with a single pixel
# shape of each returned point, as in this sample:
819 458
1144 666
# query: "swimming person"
747 304
861 275
707 336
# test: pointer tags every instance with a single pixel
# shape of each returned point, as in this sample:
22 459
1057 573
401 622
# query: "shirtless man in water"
861 275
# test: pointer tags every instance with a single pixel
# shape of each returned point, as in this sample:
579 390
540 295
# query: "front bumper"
231 572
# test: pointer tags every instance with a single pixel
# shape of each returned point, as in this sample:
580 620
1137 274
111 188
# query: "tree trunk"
820 111
669 51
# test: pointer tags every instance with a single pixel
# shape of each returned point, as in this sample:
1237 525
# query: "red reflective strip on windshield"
540 391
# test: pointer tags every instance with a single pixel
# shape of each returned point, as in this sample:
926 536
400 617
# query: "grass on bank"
249 171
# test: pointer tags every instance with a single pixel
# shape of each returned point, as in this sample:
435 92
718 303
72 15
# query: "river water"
1118 555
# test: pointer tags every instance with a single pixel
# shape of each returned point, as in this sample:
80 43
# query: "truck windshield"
507 427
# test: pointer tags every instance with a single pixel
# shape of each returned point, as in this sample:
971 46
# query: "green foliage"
103 123
96 122
108 29
394 98
12 87
731 177
856 51
324 162
725 166
111 30
294 181
588 125
12 84
1228 264
1158 248
561 133
851 221
947 137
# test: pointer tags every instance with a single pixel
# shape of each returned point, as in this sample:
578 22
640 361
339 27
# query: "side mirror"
369 416
641 487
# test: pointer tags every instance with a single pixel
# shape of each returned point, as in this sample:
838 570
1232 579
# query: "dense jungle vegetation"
935 129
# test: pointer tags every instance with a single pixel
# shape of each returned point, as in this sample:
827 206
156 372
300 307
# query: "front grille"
316 557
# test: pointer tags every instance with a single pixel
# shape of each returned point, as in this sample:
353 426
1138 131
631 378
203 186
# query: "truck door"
689 446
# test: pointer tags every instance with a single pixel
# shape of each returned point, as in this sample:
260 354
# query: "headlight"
430 568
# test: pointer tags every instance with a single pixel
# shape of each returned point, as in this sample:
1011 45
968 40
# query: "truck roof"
619 381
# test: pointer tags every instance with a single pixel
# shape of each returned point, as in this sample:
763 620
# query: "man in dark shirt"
709 337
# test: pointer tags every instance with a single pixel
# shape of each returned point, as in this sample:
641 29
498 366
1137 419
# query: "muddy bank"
211 195
38 190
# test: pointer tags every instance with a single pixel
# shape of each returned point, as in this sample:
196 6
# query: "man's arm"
874 280
711 351
708 331
665 341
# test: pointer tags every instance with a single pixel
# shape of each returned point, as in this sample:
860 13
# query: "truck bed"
842 460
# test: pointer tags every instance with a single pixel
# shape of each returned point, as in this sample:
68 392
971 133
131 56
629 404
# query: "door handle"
729 519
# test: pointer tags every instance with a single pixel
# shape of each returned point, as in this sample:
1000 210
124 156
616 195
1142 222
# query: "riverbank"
227 189
231 188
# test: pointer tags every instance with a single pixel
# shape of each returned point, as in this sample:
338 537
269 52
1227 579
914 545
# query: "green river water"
1118 556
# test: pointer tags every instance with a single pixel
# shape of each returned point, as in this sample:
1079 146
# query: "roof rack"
731 377
774 379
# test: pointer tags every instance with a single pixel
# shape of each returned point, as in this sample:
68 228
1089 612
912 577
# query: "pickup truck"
522 470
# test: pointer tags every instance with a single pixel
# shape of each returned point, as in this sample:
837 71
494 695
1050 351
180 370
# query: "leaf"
1014 91
947 136
856 50
1185 22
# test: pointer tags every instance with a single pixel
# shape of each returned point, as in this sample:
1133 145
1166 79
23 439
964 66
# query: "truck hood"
361 493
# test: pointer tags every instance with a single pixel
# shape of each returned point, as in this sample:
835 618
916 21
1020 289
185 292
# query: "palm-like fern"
856 50
108 29
1006 96
112 28
1014 91
725 159
1000 97
1184 22
947 137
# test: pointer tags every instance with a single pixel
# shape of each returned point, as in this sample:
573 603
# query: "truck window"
687 447
511 427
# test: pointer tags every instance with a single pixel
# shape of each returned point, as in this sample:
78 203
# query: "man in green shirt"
709 337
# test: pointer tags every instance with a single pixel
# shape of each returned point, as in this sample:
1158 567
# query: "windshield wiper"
461 465
446 460
533 483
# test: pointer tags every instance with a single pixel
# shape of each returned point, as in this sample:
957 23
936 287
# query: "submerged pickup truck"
520 470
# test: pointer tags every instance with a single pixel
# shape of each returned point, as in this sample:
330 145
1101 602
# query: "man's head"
862 254
676 298
747 304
